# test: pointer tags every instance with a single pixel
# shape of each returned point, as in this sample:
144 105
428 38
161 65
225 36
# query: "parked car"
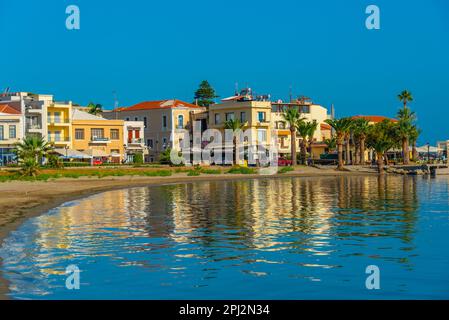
97 162
284 162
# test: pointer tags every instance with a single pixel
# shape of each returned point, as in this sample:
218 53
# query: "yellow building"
98 137
59 116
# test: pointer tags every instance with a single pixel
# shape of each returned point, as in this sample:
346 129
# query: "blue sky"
148 50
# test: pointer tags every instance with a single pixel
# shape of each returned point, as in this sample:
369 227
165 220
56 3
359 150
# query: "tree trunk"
340 156
362 151
380 162
386 161
356 154
348 152
303 151
293 145
405 152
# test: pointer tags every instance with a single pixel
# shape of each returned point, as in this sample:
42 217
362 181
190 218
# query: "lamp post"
428 152
66 151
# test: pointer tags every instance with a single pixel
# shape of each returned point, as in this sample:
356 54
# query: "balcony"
60 122
135 141
58 140
99 140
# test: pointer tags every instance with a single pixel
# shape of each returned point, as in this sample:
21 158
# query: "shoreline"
22 200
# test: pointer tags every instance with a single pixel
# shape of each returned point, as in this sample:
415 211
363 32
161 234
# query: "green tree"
303 131
331 143
30 152
311 129
236 126
342 127
360 130
405 96
292 116
205 94
405 126
381 138
415 132
95 109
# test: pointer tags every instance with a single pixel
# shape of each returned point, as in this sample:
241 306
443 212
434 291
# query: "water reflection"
201 240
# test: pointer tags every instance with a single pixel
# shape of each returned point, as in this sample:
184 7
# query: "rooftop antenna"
115 103
236 92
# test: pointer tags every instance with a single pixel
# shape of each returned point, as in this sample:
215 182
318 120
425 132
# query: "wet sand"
20 200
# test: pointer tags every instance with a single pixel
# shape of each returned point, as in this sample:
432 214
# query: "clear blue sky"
149 50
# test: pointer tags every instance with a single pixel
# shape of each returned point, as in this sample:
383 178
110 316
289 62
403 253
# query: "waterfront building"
162 119
133 137
11 132
99 138
59 120
33 108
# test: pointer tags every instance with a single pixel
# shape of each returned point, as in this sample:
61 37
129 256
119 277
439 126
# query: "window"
2 137
57 117
49 117
164 143
180 121
145 121
57 135
164 122
136 119
79 134
115 151
230 116
127 119
243 117
261 135
217 118
115 134
281 125
150 143
261 116
12 132
97 133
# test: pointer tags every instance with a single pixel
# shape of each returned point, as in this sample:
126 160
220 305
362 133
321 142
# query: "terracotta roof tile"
158 104
374 119
4 108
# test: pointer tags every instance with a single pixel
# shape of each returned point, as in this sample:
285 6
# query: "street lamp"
428 152
66 151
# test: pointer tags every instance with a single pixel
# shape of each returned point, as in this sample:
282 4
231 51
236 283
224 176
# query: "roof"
325 126
374 119
4 108
158 104
81 115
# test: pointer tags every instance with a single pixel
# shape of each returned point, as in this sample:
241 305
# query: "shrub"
211 171
158 173
241 170
285 170
193 173
76 164
138 158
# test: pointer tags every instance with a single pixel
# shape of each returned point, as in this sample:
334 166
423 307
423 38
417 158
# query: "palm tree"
291 116
341 127
30 151
235 126
415 132
360 128
406 121
380 137
312 127
95 109
331 143
303 131
405 96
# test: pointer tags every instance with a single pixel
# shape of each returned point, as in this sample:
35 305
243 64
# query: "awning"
425 149
96 153
72 154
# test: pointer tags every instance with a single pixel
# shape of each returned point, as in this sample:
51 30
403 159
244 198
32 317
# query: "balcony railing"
59 139
58 121
99 140
135 141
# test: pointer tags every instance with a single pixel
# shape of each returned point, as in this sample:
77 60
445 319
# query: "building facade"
100 138
11 132
162 120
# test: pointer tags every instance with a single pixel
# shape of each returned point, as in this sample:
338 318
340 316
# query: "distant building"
11 132
98 137
134 132
161 119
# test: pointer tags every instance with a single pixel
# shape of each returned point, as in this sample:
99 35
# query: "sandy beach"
21 200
